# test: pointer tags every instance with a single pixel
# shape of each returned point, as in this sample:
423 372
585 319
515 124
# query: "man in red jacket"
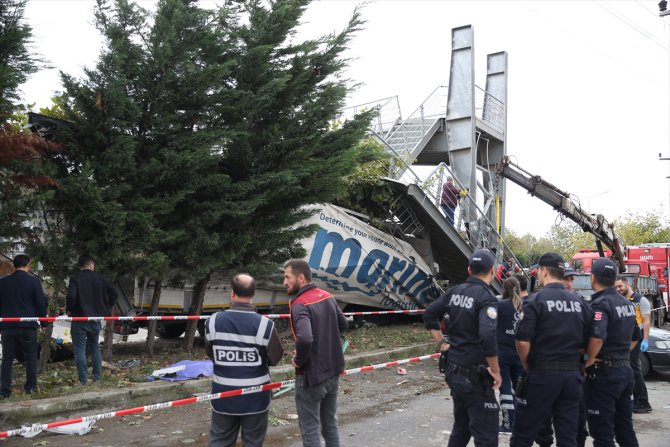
316 322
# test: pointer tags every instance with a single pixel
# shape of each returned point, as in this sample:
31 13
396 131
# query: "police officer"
582 432
609 384
643 318
242 344
472 371
550 339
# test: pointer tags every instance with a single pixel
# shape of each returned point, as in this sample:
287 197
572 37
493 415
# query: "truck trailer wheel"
170 330
645 364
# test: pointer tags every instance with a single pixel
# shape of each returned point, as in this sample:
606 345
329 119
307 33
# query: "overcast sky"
588 94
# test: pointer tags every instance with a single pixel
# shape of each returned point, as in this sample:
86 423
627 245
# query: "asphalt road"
376 408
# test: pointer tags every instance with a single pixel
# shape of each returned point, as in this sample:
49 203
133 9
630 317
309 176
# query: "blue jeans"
449 213
18 339
317 406
86 336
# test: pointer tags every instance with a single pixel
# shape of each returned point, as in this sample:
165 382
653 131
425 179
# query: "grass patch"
60 379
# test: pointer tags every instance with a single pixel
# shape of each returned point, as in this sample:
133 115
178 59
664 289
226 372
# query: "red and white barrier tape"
659 308
179 317
191 400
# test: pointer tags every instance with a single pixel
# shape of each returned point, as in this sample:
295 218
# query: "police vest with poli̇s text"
239 341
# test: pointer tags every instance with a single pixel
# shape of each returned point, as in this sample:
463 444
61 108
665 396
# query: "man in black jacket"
89 294
21 295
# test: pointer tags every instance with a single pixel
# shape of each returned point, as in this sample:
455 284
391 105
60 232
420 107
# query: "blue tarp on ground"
194 369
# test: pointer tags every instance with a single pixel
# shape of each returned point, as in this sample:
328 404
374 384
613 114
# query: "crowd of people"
89 294
241 343
563 364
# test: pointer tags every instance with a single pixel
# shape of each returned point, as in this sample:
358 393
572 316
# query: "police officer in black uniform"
472 371
551 337
582 432
610 382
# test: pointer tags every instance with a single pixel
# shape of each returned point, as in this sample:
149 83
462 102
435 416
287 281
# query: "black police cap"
551 260
481 258
569 272
603 268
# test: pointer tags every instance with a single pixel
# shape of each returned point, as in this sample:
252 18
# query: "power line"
633 26
626 65
651 12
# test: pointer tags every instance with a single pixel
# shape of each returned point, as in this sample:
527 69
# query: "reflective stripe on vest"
635 299
239 341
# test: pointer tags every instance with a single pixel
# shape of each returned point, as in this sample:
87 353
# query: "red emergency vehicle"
643 261
657 256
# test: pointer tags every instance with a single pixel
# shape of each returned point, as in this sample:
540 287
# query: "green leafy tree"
20 153
280 151
527 248
644 228
150 190
567 237
366 192
25 177
17 61
201 135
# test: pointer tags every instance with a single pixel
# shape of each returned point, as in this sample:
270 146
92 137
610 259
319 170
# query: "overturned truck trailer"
363 267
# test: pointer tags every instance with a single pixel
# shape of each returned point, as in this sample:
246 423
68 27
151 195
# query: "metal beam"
461 108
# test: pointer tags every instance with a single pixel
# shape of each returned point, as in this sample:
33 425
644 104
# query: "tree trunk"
195 309
47 331
109 339
151 326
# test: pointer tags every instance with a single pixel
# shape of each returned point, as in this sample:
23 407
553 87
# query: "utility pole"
661 158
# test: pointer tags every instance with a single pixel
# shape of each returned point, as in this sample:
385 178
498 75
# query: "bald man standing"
243 345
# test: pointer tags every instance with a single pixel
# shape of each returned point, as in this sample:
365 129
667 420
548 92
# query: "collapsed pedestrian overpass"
458 131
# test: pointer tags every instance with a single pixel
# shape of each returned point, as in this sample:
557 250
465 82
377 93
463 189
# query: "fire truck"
646 267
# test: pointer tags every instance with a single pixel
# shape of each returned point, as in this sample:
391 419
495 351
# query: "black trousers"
554 394
18 339
475 413
225 428
610 408
640 395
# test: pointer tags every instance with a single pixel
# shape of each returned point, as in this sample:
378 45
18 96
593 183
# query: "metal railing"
470 221
406 135
388 113
490 109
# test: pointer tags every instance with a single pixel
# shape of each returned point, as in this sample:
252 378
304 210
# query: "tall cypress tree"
21 171
280 150
201 134
139 140
17 62
283 149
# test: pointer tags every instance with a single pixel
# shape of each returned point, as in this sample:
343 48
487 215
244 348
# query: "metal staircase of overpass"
458 131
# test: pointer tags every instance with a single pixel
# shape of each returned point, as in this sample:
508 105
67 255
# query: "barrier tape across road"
180 317
192 400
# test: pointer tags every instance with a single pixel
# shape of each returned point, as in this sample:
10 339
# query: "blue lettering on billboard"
378 270
339 246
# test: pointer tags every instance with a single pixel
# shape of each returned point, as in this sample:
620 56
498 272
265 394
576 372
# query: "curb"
64 407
